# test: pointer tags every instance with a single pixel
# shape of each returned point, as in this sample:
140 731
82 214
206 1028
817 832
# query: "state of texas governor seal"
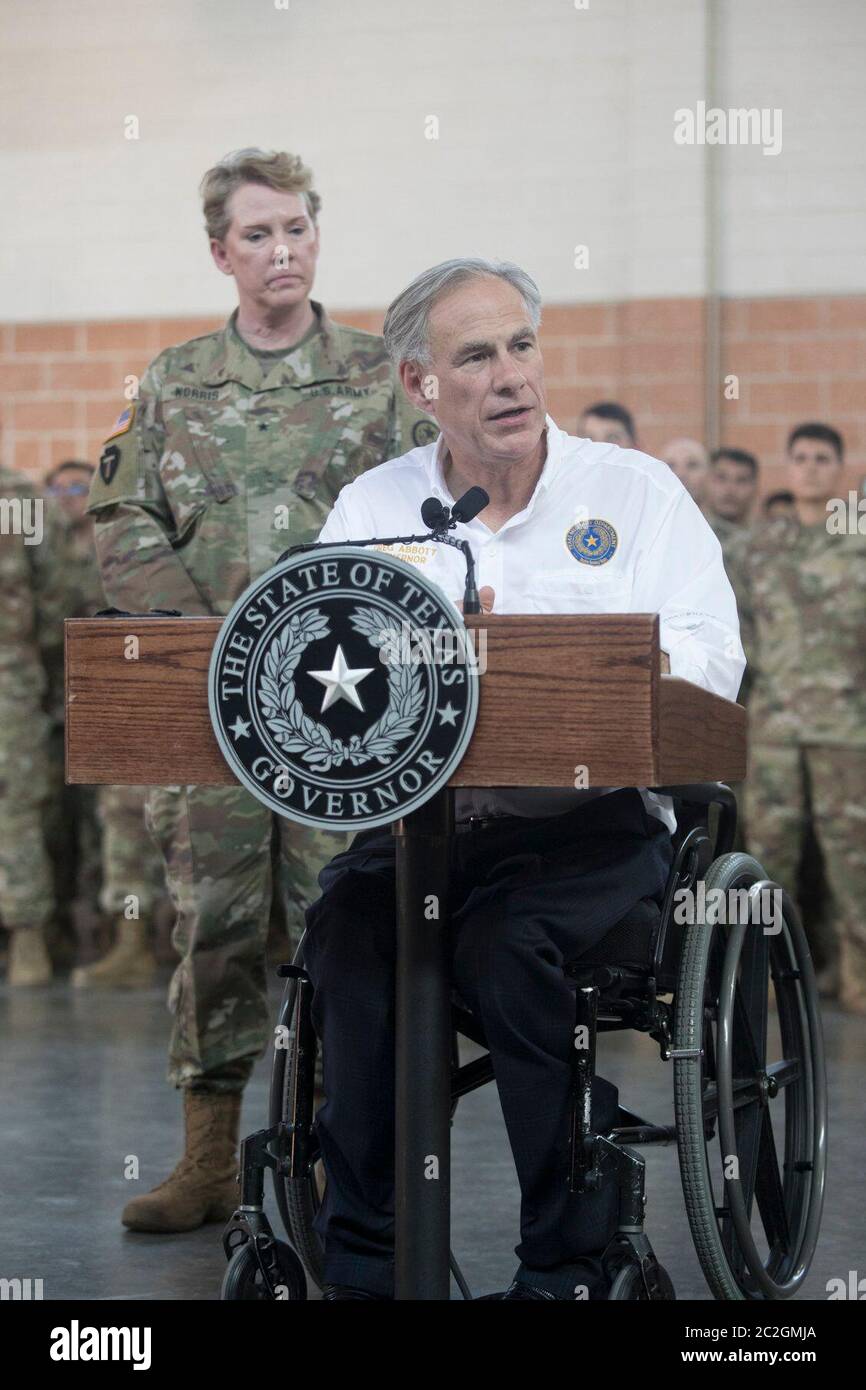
343 690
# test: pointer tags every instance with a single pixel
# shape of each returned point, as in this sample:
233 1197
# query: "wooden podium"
565 701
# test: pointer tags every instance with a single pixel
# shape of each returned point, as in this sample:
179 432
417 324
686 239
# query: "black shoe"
523 1293
334 1293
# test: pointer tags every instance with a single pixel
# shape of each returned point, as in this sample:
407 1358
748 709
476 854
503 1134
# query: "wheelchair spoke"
788 1072
769 1194
752 988
747 1090
746 1099
747 1127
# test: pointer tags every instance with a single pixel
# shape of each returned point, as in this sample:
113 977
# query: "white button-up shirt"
662 557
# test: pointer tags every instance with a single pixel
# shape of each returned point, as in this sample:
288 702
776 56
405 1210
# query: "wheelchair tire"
628 1286
297 1198
721 1011
243 1281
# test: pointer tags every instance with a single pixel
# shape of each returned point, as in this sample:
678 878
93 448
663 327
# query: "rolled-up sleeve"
682 578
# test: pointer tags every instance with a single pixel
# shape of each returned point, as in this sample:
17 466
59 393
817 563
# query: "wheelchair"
750 1131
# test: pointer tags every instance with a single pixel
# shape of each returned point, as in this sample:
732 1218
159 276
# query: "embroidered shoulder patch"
122 424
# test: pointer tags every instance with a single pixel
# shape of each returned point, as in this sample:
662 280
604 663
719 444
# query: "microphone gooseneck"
439 519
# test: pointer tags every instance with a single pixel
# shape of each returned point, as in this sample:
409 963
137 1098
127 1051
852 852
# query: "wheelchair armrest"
709 794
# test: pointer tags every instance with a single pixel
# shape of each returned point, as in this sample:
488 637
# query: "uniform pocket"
191 469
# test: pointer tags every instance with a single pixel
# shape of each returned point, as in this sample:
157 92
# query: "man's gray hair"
406 322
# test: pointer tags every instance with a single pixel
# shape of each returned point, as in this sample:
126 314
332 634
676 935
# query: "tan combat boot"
203 1186
130 964
29 961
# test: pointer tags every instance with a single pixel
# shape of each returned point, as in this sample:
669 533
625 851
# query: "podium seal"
343 688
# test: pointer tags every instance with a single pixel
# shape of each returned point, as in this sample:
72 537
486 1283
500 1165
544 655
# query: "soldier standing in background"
608 422
71 824
688 459
779 504
107 822
235 450
31 642
801 594
731 487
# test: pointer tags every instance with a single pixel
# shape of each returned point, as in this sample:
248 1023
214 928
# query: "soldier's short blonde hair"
274 168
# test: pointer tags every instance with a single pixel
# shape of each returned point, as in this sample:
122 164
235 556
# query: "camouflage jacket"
33 595
79 594
223 463
729 534
801 595
83 585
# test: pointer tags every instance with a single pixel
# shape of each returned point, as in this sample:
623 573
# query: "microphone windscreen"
470 504
433 514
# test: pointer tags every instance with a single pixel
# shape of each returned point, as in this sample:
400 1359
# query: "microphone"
469 505
466 508
440 520
434 515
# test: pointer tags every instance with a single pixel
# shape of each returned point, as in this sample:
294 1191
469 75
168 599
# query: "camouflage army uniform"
97 838
129 864
229 457
728 533
31 640
72 827
730 536
801 593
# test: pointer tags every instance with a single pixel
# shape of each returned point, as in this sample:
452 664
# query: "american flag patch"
122 423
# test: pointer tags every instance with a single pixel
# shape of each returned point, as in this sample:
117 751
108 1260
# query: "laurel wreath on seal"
296 732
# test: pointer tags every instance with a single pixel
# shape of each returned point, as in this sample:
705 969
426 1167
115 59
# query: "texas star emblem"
592 542
343 689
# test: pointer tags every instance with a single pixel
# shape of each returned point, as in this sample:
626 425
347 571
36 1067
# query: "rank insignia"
592 542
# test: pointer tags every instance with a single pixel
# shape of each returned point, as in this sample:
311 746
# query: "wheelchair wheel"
243 1280
629 1286
754 1219
298 1199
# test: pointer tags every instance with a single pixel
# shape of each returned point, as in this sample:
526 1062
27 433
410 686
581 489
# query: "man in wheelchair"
538 877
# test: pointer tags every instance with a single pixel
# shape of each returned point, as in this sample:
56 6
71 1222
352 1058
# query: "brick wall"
62 384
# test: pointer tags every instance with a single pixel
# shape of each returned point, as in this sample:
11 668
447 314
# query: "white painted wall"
795 223
556 128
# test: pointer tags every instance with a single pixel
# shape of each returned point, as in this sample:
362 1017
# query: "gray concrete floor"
82 1089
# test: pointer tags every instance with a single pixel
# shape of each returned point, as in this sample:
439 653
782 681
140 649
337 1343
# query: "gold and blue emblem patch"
592 542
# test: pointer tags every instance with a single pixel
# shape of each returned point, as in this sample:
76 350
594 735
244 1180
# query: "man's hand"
487 597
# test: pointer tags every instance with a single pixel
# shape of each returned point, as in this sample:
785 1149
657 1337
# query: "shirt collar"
436 475
320 359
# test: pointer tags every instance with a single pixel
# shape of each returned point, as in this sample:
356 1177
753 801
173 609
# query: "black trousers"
524 896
